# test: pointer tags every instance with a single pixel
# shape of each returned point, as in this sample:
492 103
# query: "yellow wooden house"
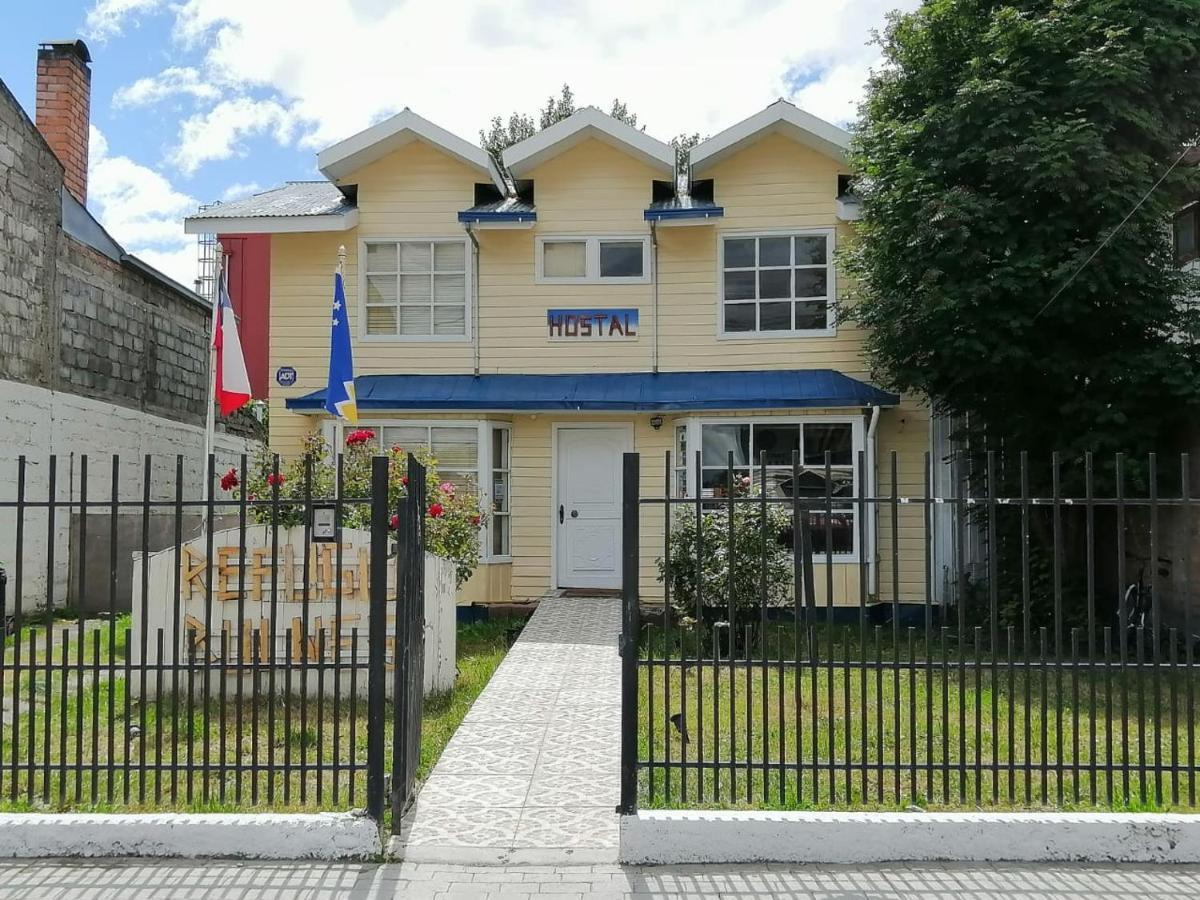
531 324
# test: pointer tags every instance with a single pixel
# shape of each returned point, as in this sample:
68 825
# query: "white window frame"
361 276
488 429
591 258
830 329
858 442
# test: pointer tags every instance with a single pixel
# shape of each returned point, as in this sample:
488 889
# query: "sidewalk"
133 880
532 775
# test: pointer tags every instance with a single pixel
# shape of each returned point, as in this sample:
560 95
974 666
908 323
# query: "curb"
663 837
326 836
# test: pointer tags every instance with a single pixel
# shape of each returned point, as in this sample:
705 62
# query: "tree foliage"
999 146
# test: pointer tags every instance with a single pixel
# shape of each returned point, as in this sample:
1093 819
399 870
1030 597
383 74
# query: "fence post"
376 638
630 626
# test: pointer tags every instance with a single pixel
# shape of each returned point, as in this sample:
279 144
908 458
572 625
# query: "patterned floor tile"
447 789
478 826
575 828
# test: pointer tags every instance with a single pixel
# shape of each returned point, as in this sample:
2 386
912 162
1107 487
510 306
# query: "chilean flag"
232 382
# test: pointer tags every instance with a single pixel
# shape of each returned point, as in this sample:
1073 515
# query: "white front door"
587 517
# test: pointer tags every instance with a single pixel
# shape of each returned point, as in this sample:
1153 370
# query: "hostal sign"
592 324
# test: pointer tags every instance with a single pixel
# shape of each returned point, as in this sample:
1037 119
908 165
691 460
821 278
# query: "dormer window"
616 259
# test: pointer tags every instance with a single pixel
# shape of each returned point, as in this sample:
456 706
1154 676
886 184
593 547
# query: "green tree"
999 146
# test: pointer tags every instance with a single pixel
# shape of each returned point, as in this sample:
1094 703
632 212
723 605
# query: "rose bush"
452 517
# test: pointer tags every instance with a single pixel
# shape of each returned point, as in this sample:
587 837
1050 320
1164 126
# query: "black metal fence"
987 645
247 664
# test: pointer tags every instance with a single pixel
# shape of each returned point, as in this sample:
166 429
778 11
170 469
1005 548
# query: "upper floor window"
415 288
777 284
593 260
1187 235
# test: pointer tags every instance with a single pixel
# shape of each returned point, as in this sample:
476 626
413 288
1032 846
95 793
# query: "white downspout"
872 491
474 295
654 277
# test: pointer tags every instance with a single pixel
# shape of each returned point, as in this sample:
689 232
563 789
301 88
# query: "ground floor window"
471 455
827 451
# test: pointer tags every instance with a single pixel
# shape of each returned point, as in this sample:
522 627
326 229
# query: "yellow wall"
591 188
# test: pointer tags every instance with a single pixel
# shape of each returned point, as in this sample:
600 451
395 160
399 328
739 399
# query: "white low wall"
190 835
686 836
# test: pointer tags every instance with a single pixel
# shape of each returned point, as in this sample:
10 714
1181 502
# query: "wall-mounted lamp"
656 422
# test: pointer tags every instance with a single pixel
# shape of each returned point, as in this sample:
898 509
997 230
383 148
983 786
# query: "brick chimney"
64 101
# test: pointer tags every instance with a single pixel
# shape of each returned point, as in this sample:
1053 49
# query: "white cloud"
319 78
215 134
167 83
240 190
141 209
106 17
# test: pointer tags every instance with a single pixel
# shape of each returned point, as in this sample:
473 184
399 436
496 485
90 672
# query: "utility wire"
1187 152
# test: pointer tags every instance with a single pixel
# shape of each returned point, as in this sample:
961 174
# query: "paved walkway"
532 776
138 880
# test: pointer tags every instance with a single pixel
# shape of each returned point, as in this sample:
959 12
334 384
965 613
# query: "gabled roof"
406 126
294 206
780 117
588 122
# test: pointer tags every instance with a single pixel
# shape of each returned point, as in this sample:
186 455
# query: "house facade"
531 325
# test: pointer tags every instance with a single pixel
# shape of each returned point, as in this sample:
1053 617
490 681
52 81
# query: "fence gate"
409 646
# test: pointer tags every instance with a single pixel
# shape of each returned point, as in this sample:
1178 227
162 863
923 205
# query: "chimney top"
65 48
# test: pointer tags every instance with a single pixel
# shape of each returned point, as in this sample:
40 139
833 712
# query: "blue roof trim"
694 212
614 391
468 215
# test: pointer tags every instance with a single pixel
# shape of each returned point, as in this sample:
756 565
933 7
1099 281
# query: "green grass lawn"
936 736
101 748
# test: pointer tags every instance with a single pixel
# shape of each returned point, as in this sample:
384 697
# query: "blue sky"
202 100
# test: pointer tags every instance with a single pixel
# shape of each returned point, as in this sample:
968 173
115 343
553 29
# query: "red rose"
436 510
229 480
475 520
360 436
274 479
404 480
394 522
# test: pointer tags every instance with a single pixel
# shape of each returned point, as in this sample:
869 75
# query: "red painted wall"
250 291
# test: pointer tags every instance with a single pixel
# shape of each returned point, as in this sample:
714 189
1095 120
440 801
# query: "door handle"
574 514
560 514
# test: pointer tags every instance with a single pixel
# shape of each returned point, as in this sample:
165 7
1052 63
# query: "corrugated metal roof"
294 198
629 391
510 208
683 206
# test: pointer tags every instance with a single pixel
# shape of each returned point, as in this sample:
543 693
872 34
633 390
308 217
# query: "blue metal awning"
611 391
508 210
685 207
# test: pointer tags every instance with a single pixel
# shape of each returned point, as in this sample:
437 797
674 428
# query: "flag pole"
341 260
210 421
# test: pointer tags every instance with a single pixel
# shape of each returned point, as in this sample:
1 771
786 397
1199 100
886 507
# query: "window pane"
449 320
774 283
500 448
500 542
810 249
778 441
812 484
739 317
836 438
620 259
739 285
681 445
841 526
564 259
681 483
718 440
812 315
739 253
414 288
414 256
406 436
450 256
779 481
811 282
381 320
449 288
775 317
456 448
715 482
414 320
381 257
381 288
775 251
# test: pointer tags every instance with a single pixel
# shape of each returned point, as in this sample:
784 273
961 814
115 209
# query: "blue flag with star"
339 392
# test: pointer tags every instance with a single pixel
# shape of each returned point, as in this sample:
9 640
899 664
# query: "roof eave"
684 216
524 156
779 117
271 224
